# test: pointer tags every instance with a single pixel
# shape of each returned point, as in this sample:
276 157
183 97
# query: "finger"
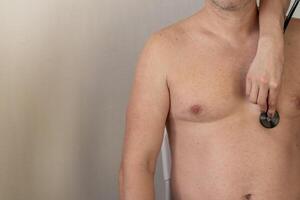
272 101
254 92
262 97
248 86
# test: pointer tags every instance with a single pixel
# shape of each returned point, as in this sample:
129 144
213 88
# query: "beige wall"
66 68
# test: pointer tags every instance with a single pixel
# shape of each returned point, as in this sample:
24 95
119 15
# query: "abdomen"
235 158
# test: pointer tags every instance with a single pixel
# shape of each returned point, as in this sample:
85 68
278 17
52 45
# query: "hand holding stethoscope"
259 93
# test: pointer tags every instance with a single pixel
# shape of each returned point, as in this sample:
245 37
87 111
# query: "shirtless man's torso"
219 149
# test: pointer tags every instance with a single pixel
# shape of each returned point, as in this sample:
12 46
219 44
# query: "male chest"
211 88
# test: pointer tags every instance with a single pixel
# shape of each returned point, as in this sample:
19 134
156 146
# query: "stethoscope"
264 119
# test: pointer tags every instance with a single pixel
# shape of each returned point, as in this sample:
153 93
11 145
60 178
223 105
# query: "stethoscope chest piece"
268 122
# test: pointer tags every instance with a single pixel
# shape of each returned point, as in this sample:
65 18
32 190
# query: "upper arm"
148 105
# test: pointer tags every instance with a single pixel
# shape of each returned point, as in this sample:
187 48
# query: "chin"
230 4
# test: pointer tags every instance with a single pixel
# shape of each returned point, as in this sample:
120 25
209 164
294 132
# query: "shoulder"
167 39
162 46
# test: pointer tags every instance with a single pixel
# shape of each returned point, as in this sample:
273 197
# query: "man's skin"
191 78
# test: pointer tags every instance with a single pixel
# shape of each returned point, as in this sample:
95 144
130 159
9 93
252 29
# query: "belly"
235 158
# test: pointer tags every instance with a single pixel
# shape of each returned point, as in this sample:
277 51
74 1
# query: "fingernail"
270 115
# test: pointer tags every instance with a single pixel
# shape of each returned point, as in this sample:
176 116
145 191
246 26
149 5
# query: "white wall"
66 68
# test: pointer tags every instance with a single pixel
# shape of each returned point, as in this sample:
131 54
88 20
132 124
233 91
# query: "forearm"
265 72
136 183
271 17
271 21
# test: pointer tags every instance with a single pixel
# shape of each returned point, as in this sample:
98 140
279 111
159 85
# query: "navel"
247 196
195 109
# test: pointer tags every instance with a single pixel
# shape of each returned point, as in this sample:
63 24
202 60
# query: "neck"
236 23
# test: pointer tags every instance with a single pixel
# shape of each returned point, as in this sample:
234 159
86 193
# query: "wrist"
273 41
272 47
274 32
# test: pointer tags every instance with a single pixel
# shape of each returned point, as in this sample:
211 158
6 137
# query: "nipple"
195 109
